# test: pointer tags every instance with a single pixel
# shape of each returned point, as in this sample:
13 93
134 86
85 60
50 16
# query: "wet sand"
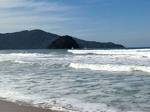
12 107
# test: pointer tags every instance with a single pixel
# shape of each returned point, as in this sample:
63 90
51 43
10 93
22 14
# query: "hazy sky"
121 21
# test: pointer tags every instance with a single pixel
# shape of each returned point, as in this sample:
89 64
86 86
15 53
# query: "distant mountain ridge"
38 39
34 39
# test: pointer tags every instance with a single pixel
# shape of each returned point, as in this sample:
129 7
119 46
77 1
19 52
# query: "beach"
12 107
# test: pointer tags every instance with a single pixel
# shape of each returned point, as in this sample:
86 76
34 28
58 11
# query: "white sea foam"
136 52
23 58
21 62
14 96
60 104
109 67
24 55
47 81
74 105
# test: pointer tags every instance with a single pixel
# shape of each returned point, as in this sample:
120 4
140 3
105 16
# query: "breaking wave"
142 52
45 79
110 67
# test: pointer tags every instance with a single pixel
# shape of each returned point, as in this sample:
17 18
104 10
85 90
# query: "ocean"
77 80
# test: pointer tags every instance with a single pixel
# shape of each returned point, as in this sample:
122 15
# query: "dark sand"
12 107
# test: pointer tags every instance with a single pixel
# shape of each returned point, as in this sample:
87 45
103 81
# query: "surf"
110 67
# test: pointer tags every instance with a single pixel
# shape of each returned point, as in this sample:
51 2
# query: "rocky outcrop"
64 42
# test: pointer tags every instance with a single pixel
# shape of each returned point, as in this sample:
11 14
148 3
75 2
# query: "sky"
125 22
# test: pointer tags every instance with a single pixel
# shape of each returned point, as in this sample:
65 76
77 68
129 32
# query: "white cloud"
17 14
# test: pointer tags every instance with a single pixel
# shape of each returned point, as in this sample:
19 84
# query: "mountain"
98 45
38 39
34 39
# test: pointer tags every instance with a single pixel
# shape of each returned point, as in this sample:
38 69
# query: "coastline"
6 106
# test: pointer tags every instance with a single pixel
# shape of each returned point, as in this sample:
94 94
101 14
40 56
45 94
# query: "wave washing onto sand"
36 101
45 79
111 68
56 104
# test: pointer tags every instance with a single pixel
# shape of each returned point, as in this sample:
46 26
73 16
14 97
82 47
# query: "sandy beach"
12 107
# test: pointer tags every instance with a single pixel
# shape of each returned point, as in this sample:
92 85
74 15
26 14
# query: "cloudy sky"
121 21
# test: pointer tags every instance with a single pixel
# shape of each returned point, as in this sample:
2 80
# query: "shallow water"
78 80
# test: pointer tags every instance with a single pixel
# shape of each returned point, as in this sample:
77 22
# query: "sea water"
77 80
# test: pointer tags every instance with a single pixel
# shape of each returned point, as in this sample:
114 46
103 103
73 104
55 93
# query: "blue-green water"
77 80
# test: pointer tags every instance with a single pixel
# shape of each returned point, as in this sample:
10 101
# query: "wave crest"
141 52
110 67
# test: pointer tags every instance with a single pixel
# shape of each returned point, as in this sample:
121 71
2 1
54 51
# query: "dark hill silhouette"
64 42
34 39
38 39
98 45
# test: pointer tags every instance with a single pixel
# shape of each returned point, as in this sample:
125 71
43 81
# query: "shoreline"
6 106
